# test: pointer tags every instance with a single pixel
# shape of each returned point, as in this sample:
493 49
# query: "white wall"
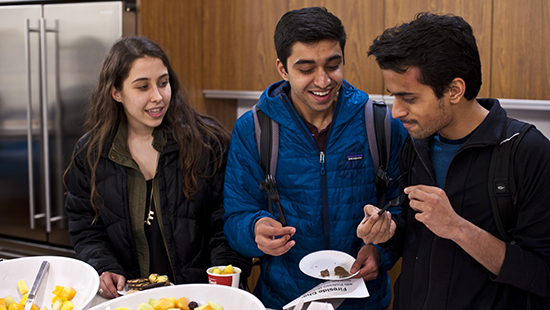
534 112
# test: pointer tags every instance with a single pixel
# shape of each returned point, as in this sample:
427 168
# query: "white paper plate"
312 264
230 298
63 271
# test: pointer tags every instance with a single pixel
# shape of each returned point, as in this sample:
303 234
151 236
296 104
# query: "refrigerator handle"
45 123
28 30
58 165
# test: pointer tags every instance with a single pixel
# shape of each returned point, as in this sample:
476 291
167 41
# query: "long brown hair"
193 131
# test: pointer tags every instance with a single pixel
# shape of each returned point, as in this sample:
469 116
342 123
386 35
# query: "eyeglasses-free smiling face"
315 73
145 94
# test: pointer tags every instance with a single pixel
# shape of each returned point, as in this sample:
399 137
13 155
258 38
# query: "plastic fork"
270 186
394 202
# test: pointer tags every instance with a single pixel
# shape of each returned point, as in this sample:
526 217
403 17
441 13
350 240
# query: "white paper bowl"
229 298
63 271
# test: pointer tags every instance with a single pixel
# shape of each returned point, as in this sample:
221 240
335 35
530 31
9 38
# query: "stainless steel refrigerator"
50 55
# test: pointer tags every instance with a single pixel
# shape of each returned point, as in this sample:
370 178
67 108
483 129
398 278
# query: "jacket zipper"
325 199
428 293
321 160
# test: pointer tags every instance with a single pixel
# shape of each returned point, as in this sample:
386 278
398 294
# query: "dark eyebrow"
334 57
309 61
147 79
403 93
304 61
140 79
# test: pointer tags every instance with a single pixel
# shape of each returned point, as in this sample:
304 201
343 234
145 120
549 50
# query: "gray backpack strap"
266 132
378 123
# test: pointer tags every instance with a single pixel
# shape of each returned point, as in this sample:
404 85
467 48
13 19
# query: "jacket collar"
275 104
119 151
487 133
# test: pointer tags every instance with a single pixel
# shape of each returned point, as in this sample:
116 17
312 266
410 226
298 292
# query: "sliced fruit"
67 305
182 303
9 300
144 306
215 305
228 269
164 304
68 293
16 306
22 287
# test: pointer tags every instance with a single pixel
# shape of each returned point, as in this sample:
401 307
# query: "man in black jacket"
452 255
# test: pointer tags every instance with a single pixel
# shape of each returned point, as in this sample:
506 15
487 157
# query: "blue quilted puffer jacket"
308 189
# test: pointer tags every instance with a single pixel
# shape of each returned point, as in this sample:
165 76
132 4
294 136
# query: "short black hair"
307 25
443 47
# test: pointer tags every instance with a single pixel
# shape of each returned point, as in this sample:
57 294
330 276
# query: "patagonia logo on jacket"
353 157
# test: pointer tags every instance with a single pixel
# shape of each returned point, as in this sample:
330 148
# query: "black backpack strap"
378 123
266 132
267 139
502 186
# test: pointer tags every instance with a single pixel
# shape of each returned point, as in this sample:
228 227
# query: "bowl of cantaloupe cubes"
69 284
185 297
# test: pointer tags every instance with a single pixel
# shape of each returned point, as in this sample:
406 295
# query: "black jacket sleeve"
89 238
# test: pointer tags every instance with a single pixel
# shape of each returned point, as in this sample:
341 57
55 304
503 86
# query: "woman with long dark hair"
145 186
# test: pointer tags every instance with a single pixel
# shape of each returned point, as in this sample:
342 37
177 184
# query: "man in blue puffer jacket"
322 188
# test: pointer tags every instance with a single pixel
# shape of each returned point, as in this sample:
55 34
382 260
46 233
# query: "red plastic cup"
230 279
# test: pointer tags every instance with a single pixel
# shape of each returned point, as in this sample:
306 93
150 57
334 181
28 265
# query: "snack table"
97 300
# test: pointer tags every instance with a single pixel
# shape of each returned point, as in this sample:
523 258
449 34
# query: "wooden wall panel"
363 21
175 25
477 13
521 65
238 43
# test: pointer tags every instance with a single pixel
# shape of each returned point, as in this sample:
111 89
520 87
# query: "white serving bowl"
63 271
230 298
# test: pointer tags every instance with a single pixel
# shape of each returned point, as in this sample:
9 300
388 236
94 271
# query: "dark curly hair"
442 47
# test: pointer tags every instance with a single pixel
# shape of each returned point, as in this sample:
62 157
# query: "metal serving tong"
32 294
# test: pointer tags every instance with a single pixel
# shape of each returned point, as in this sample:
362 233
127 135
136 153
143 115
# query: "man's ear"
115 94
458 88
281 70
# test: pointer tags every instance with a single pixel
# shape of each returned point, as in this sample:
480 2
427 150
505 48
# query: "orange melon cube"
67 293
182 303
16 306
57 291
164 304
